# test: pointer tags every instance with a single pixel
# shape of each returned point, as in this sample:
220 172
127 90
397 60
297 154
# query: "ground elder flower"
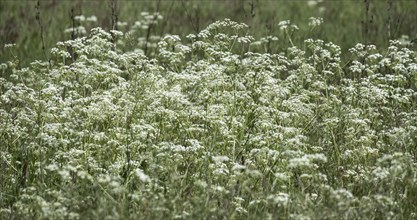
317 157
219 169
79 18
92 18
380 174
60 53
116 33
245 40
315 22
3 66
302 162
171 39
204 34
142 176
220 159
9 45
183 48
282 176
312 3
77 30
238 167
283 25
280 199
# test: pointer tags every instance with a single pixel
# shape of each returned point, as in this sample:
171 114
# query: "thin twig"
390 3
38 19
190 18
114 15
148 32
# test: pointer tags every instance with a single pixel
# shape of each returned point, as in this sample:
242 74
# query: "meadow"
125 121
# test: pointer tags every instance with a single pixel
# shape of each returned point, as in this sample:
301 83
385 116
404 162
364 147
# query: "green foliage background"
343 20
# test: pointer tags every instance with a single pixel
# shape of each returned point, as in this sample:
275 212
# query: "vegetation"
347 22
214 124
